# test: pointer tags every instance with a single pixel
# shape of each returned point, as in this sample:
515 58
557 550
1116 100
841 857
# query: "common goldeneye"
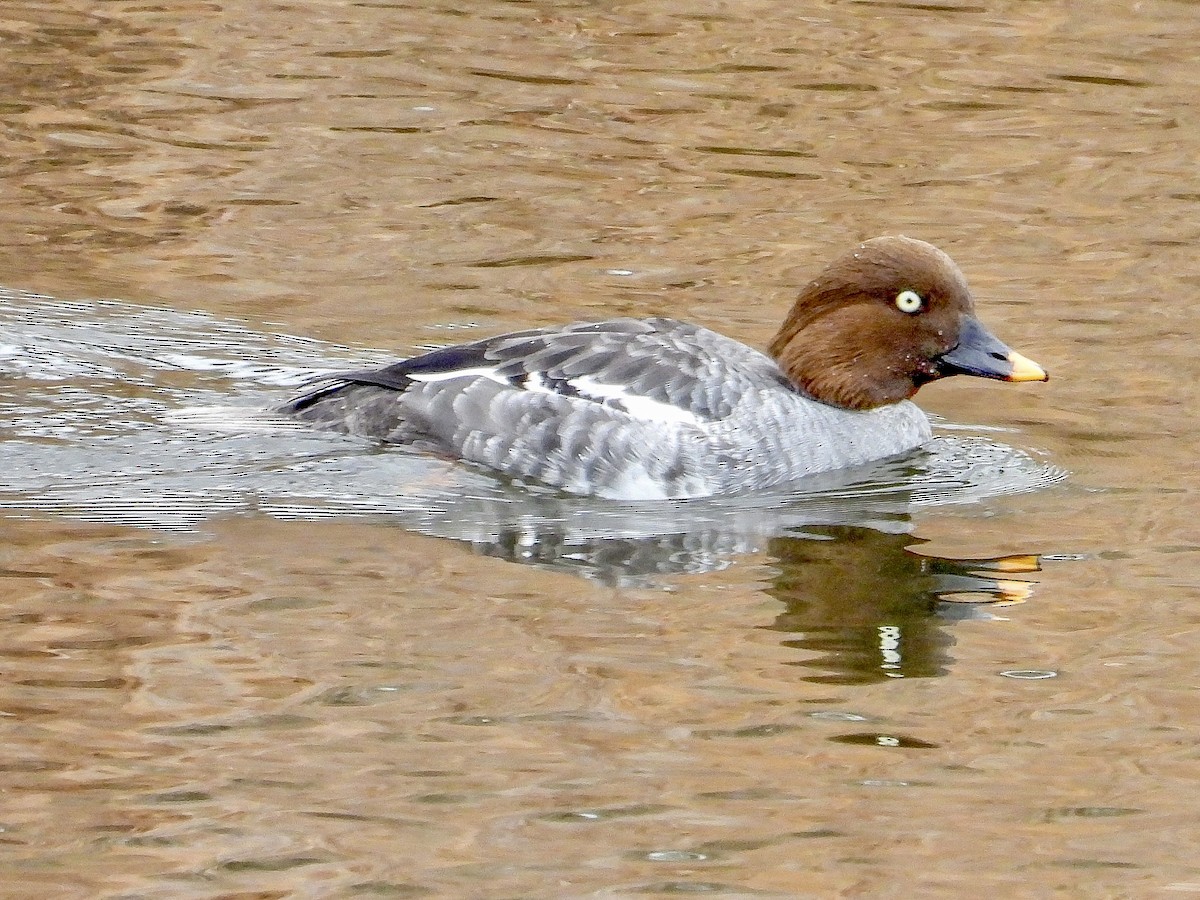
657 408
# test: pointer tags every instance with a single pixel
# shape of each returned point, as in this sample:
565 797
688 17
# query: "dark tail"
392 377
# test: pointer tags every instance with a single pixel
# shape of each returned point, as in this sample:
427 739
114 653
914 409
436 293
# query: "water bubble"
1029 674
674 856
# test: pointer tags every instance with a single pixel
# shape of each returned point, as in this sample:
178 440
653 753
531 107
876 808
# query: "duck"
657 408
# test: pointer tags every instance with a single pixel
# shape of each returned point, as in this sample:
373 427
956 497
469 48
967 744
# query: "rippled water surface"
242 659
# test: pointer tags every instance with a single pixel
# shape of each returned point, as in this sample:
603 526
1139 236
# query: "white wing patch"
483 372
639 407
614 396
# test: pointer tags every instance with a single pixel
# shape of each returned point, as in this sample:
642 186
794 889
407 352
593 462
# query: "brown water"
240 662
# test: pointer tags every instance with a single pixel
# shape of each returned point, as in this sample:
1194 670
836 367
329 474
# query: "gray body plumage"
628 409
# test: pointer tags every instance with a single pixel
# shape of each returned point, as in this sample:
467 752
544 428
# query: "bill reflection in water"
864 606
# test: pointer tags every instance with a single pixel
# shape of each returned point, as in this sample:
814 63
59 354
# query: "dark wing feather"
661 359
397 376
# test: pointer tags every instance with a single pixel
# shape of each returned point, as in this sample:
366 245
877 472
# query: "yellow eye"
910 302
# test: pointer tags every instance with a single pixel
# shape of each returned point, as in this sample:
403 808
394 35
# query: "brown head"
886 318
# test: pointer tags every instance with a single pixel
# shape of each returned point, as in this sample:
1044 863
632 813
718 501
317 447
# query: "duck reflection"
866 607
860 602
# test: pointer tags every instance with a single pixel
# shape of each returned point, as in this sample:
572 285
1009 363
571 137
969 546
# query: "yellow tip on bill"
1025 369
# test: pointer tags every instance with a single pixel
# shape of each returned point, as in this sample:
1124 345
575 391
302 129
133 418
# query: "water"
241 658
